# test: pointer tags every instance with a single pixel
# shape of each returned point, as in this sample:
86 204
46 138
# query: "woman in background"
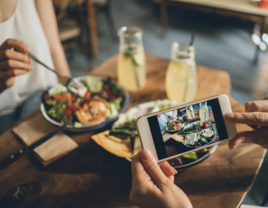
27 26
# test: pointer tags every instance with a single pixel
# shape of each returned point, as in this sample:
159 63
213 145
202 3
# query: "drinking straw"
187 81
134 64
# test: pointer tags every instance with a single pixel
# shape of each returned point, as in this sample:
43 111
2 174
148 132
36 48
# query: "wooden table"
92 177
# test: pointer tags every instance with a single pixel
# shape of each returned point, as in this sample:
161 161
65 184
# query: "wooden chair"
104 6
83 12
71 31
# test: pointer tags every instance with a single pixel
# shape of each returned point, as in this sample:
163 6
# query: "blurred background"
230 35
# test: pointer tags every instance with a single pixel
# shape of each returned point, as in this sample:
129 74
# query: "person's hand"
153 184
13 62
256 116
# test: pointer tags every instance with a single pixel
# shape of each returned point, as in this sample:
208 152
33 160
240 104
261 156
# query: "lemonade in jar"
203 111
190 112
131 59
181 76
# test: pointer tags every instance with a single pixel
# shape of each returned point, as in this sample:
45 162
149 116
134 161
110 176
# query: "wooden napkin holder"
33 129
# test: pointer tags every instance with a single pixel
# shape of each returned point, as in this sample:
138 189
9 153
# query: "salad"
177 124
197 134
188 158
103 100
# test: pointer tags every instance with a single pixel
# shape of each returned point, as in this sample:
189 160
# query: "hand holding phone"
153 184
256 117
197 125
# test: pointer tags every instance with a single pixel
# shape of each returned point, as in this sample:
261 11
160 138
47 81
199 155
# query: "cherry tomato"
110 94
87 95
68 111
73 106
205 125
60 97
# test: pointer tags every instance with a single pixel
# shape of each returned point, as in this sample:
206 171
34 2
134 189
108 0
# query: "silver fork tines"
72 85
77 88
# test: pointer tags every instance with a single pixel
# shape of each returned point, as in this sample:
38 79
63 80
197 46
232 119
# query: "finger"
236 141
258 136
153 169
11 73
167 169
13 64
13 43
257 106
138 172
171 178
255 118
9 54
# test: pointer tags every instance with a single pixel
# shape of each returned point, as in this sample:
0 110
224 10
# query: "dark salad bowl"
189 163
86 127
176 131
198 146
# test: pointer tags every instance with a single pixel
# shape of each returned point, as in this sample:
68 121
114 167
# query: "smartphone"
186 128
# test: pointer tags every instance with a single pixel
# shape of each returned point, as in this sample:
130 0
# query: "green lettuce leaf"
94 85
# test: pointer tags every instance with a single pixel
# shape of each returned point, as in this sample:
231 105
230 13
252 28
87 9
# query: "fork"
71 84
169 117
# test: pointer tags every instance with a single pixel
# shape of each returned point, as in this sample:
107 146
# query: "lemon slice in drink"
139 58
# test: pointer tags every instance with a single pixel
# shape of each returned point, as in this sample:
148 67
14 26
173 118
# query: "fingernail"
175 171
146 155
27 48
229 115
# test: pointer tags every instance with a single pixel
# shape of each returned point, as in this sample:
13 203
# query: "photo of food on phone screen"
184 129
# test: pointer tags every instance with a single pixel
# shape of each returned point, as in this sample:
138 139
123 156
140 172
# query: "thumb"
153 169
258 136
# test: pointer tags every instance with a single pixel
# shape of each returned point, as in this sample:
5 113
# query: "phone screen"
184 129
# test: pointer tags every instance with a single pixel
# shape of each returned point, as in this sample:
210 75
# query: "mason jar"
131 71
181 76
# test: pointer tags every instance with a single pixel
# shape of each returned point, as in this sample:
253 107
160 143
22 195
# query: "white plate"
152 104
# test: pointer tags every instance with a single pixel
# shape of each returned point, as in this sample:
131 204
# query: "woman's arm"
47 16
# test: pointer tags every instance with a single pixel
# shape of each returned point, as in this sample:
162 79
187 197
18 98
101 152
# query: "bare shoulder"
7 7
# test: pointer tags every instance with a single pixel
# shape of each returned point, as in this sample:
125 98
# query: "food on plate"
191 139
194 127
178 137
196 134
189 158
199 133
103 100
93 112
177 124
207 133
112 144
165 104
137 146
